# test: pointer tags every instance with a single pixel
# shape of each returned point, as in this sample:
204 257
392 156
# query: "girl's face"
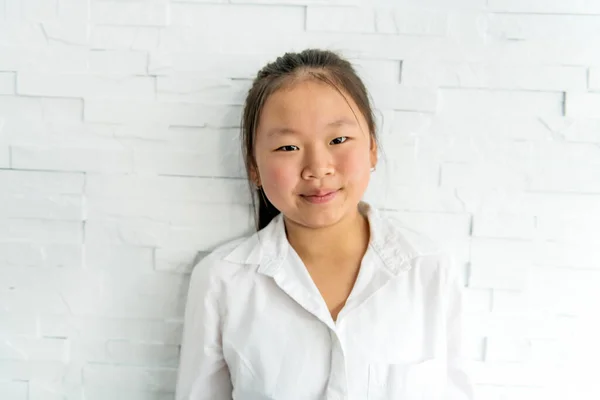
313 154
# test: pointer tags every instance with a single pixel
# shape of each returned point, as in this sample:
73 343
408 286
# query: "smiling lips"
320 196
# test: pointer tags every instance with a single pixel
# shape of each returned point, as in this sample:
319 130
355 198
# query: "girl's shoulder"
394 232
425 254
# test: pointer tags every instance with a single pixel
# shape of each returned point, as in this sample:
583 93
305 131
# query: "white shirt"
256 327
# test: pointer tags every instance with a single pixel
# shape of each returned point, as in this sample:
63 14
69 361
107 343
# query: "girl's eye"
339 140
287 148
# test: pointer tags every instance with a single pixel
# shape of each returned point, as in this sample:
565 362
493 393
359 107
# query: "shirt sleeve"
203 373
460 385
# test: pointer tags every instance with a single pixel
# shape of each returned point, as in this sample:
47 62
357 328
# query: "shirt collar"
268 248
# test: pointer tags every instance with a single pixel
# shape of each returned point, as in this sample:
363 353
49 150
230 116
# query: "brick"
372 71
40 231
172 212
569 229
404 98
484 175
119 258
125 352
408 170
512 374
180 57
135 13
547 51
228 18
66 282
340 19
510 302
406 127
388 20
545 6
83 85
189 163
529 325
106 393
40 255
129 377
199 89
543 27
21 33
73 10
500 349
417 198
484 76
556 203
508 103
172 113
297 2
7 83
477 300
14 390
117 62
583 130
449 232
500 264
139 188
594 79
71 159
565 291
566 177
48 109
41 183
128 294
99 328
437 226
34 349
177 43
30 302
124 37
10 10
177 260
505 226
4 157
56 391
432 142
61 207
582 104
13 58
564 254
18 325
140 232
39 10
152 355
37 371
578 154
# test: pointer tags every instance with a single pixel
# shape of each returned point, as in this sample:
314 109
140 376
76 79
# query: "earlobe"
254 178
373 154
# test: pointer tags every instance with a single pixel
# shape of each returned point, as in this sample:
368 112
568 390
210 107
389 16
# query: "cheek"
279 174
354 164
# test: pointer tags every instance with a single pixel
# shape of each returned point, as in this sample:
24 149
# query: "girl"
328 299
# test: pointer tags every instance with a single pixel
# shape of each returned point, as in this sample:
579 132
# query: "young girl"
329 299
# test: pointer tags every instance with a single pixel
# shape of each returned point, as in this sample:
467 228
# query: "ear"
373 151
254 177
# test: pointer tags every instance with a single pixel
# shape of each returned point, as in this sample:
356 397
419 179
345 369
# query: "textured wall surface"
120 166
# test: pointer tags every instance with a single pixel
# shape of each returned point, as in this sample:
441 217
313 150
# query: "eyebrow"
289 131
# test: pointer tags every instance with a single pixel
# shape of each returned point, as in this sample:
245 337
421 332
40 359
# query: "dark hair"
324 65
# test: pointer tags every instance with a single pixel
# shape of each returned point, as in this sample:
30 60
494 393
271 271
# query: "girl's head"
308 128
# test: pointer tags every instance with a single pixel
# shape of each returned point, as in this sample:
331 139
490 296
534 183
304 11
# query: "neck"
348 238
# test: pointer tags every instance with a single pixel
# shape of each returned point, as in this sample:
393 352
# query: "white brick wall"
120 167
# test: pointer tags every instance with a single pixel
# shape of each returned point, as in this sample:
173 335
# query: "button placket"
337 386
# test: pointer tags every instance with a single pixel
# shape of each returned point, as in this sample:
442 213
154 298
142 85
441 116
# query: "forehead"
308 105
